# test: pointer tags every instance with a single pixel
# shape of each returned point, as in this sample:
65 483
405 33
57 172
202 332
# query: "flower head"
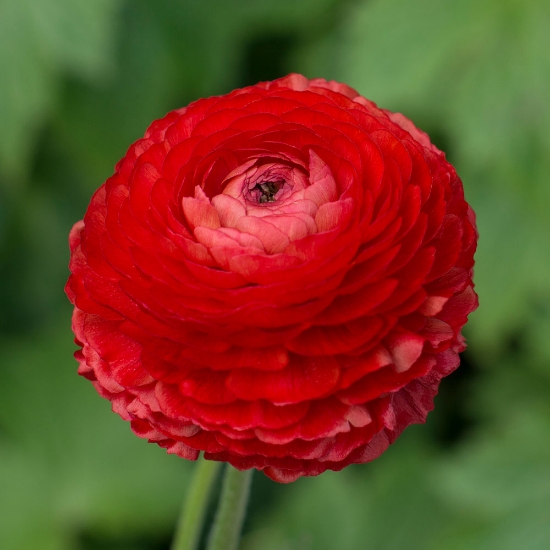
277 277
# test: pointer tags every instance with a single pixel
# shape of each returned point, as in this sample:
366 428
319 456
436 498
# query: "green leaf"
388 505
27 519
484 66
501 482
512 271
39 40
69 460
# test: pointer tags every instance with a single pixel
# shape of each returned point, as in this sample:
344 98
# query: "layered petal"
277 277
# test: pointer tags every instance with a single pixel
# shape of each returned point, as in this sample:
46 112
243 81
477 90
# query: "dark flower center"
267 190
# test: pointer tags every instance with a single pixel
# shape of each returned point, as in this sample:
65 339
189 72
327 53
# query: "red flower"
277 277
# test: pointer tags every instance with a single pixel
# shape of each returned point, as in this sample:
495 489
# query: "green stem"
226 531
189 527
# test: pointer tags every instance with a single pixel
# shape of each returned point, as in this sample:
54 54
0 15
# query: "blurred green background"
81 79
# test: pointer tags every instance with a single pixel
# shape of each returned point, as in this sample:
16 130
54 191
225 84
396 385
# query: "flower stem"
226 531
191 520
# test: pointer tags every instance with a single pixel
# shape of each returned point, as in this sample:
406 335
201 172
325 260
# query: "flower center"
266 190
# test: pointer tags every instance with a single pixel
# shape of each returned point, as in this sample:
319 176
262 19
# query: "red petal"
304 378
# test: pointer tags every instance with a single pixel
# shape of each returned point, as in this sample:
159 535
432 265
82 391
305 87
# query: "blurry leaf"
27 519
80 467
536 337
171 53
512 270
497 482
484 66
502 479
490 473
494 494
34 257
40 39
388 505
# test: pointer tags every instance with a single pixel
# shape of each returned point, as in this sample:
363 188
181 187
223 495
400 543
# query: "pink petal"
273 239
358 416
182 450
211 238
433 305
292 226
233 258
405 350
201 195
199 213
244 239
229 209
332 214
227 237
323 187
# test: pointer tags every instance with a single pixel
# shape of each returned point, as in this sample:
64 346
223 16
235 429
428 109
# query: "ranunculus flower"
277 277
